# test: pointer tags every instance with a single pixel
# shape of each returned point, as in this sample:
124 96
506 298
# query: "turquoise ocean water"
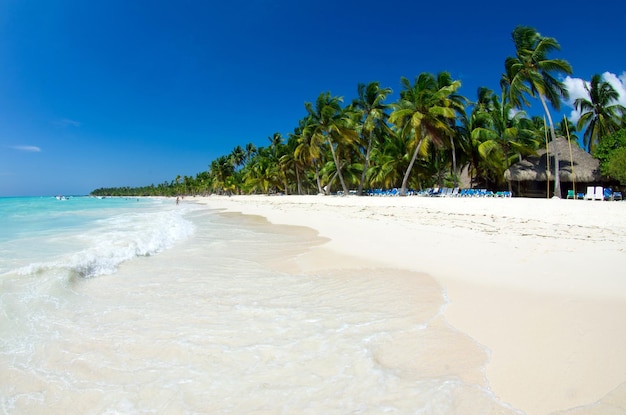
140 306
85 236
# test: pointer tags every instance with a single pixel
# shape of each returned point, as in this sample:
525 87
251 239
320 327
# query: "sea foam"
111 241
209 326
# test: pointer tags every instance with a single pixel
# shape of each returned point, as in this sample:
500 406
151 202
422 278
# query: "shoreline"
536 281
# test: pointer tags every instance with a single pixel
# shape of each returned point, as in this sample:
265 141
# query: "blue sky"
128 93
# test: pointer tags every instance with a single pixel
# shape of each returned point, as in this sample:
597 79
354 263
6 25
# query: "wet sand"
539 283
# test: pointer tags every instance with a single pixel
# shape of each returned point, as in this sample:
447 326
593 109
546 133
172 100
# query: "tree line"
429 137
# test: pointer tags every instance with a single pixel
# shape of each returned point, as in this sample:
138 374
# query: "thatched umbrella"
534 168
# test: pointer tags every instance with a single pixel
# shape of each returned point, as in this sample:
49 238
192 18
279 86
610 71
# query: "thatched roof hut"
534 168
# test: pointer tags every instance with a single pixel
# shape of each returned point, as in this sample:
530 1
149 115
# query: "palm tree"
237 157
502 135
423 115
531 72
204 180
602 113
221 170
263 172
457 102
565 127
289 161
309 150
178 180
479 117
373 116
275 141
484 100
250 152
389 162
331 124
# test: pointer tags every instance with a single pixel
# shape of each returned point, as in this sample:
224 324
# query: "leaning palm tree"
531 73
601 113
370 104
422 116
331 124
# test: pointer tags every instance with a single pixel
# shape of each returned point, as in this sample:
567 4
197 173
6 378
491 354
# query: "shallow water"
210 323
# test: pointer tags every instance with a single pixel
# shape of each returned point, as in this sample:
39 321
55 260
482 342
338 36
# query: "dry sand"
541 283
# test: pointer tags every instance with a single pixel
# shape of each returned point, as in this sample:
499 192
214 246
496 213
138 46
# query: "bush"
612 155
616 165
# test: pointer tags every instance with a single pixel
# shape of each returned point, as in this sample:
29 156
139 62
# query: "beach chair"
608 194
617 196
590 193
570 194
599 193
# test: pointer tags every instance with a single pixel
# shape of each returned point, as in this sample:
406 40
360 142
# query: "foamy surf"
104 244
208 327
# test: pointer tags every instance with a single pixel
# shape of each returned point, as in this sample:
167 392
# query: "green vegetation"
601 113
531 73
426 138
612 155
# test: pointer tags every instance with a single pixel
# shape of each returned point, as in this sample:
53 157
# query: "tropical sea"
138 306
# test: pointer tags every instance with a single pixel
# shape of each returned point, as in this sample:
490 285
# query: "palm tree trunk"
438 167
317 179
405 180
338 166
366 164
329 186
298 180
557 179
453 161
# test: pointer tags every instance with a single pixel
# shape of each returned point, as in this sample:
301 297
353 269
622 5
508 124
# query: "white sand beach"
540 283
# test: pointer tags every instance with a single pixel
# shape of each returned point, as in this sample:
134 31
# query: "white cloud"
66 122
619 83
32 149
576 88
